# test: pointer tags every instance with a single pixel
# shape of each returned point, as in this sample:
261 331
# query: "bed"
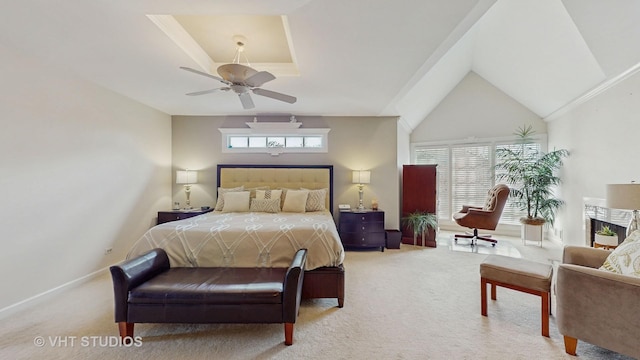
256 238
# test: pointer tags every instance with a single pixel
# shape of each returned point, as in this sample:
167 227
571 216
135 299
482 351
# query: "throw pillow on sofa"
625 259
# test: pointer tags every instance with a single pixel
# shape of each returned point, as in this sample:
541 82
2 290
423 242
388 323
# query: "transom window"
297 141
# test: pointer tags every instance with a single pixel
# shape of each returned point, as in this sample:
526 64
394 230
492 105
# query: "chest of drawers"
362 229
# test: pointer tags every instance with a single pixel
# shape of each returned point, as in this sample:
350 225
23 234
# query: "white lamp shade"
623 196
361 177
186 177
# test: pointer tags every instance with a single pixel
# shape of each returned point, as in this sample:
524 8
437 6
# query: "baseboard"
12 309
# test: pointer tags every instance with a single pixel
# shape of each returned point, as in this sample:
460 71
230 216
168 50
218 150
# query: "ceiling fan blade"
202 73
245 99
259 78
226 88
275 95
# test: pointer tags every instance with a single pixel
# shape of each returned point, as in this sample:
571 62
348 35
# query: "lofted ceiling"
347 58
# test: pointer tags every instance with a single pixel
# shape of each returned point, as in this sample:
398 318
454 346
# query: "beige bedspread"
249 239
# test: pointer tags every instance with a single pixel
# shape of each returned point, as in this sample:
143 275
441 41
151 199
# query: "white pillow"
295 201
316 200
221 192
265 205
625 259
236 201
268 194
254 189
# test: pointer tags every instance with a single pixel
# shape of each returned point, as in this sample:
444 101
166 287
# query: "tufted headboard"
278 176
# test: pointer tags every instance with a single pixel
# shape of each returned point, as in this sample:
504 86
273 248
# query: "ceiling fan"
242 79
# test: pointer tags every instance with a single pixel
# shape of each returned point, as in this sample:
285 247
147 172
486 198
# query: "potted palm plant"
419 222
532 176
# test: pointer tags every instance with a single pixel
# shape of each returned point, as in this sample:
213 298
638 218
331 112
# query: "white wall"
367 143
475 108
82 169
602 136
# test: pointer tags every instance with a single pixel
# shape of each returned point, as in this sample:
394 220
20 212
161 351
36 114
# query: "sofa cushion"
625 259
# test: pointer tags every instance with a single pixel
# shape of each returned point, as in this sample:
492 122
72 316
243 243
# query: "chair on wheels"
484 218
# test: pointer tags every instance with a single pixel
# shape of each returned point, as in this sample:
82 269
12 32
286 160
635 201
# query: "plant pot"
606 240
531 232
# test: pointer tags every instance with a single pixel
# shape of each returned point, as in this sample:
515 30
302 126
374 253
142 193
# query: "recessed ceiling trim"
287 33
277 69
170 26
176 32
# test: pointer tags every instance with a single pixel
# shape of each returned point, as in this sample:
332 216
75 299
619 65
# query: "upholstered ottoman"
517 274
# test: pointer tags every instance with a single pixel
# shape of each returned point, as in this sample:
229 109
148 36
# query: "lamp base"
187 190
360 195
634 224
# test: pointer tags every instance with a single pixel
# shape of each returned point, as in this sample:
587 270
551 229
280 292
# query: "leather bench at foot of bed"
147 290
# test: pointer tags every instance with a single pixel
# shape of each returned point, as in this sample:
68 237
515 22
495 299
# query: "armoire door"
418 194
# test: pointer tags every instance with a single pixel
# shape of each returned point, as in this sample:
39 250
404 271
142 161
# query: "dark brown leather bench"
147 290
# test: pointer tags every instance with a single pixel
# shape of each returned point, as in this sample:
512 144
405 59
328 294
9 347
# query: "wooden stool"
517 274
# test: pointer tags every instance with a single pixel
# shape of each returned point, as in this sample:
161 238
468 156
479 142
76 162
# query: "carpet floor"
411 303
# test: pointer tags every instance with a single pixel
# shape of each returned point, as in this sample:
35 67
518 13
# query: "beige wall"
602 136
367 143
82 170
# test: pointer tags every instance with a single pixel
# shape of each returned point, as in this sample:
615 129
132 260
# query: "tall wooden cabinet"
418 194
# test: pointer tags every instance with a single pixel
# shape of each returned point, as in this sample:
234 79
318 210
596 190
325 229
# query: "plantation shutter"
438 156
471 175
466 174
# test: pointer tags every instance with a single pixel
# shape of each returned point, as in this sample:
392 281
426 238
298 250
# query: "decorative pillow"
236 201
254 190
316 200
265 205
284 195
221 192
295 201
268 194
625 259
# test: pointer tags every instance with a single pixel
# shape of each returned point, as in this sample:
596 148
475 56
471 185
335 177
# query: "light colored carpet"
412 303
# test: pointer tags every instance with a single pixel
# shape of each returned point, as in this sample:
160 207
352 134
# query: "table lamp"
361 177
627 197
187 177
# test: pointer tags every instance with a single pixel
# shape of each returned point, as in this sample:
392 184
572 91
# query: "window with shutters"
466 172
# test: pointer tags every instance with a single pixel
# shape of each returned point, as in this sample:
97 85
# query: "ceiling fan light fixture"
242 79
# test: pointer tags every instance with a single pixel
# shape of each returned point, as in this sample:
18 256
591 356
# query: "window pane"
237 141
313 141
466 173
275 141
258 142
440 157
471 175
295 141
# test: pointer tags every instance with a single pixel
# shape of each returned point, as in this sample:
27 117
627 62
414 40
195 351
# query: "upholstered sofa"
596 306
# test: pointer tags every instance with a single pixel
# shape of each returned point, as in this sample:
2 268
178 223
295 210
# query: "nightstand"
173 215
362 229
